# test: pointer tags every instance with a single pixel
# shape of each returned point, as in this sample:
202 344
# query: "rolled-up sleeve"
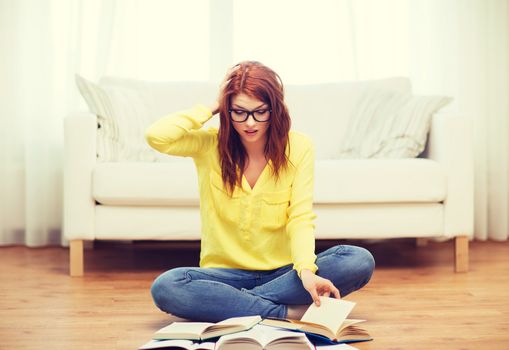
179 133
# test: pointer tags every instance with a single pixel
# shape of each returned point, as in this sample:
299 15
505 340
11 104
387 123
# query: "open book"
328 320
205 330
262 337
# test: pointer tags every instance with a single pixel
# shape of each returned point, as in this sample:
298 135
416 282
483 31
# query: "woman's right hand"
215 106
318 286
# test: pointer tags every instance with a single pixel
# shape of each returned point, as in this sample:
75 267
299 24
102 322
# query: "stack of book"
326 325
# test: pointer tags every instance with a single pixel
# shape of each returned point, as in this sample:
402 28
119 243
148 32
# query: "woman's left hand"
318 286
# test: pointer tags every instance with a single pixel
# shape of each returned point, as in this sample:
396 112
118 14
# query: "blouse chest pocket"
274 207
226 207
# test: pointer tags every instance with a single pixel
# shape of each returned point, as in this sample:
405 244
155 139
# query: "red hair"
262 83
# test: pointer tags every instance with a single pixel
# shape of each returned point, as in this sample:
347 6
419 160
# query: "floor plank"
414 300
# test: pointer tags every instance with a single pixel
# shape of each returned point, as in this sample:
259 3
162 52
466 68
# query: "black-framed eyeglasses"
241 115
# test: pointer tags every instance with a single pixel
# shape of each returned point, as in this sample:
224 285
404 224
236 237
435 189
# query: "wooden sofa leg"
461 253
76 258
421 241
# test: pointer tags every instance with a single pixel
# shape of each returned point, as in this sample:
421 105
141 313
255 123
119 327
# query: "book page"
240 340
180 328
301 325
331 313
245 322
267 335
264 335
294 324
349 322
234 324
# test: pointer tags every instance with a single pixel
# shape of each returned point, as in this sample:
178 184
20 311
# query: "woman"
256 196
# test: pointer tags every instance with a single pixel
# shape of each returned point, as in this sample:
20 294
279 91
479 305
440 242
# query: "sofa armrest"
450 144
80 132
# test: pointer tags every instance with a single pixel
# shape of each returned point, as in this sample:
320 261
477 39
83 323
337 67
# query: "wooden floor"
414 300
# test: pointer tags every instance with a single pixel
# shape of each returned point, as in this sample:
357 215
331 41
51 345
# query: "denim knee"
365 265
359 258
164 287
348 267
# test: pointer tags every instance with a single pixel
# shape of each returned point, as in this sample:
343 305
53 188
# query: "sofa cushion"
379 181
146 184
336 181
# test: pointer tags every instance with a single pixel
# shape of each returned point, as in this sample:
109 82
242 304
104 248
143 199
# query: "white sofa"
426 197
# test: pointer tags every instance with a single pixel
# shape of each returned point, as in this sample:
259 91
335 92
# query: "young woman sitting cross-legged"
256 179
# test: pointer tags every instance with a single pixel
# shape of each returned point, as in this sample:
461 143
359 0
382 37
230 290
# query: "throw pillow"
122 116
389 124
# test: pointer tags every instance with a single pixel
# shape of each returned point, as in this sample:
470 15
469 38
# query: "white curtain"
458 48
30 142
43 43
454 47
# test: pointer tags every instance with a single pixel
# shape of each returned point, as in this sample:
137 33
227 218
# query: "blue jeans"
214 294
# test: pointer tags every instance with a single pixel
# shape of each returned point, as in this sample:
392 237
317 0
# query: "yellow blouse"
260 228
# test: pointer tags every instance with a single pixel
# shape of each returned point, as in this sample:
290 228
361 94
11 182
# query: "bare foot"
295 312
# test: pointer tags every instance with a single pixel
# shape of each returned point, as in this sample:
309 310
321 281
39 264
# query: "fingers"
332 289
228 77
224 84
314 295
329 289
318 286
233 69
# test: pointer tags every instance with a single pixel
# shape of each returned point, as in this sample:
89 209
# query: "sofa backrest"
321 111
